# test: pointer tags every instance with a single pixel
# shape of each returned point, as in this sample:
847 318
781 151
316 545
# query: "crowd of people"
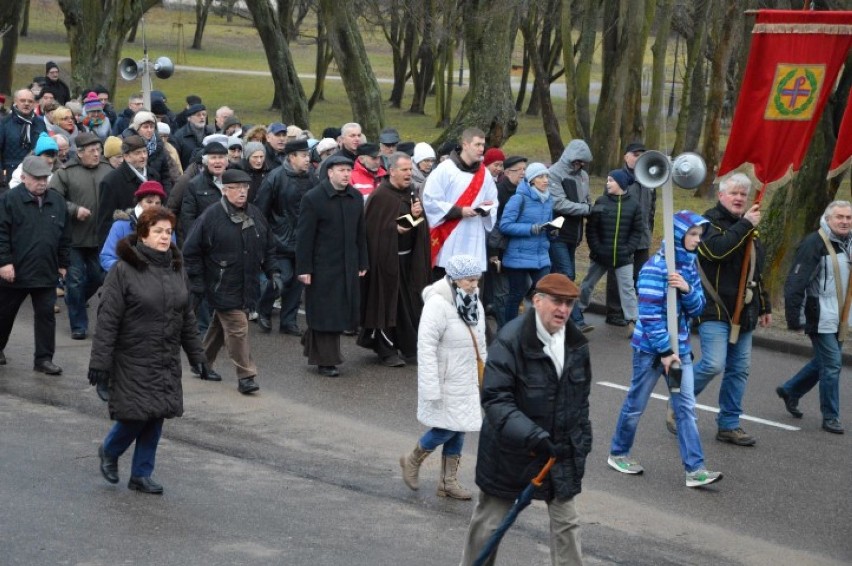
189 230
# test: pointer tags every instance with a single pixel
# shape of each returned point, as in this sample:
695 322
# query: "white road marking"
707 408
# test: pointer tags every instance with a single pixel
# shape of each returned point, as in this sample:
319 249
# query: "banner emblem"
795 90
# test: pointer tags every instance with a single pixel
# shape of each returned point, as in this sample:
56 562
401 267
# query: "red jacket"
364 180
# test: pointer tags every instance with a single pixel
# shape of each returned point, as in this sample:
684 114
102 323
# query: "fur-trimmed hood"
125 250
122 214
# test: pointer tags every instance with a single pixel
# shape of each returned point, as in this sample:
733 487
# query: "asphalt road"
306 472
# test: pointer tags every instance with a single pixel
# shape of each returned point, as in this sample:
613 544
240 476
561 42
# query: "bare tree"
444 42
324 57
360 83
288 88
694 53
10 22
653 125
202 10
423 58
632 124
95 35
397 23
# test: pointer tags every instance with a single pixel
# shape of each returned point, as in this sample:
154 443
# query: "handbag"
480 365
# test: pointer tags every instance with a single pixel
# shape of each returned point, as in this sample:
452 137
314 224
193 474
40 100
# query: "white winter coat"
447 382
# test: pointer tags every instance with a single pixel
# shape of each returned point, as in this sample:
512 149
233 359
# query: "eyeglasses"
238 188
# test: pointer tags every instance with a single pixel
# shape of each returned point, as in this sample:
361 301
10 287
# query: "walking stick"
738 307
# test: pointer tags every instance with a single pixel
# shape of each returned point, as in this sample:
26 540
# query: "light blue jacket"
526 250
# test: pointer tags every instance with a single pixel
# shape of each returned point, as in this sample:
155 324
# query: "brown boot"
449 485
410 464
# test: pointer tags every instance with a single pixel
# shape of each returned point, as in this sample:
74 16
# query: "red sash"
439 234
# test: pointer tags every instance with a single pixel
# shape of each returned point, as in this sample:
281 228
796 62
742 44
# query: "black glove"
559 451
535 229
205 371
97 376
277 283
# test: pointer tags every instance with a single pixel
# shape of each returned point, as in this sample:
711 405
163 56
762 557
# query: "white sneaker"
702 477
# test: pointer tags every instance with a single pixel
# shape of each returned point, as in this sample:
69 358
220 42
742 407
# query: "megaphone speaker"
652 169
688 170
163 68
128 69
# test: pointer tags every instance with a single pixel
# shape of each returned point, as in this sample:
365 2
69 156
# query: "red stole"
439 234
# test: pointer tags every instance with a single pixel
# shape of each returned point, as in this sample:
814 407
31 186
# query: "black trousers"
44 320
613 301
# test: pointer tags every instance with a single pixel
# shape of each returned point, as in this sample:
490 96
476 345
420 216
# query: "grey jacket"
570 190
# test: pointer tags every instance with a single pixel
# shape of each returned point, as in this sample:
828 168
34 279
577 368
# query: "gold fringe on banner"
840 169
826 29
748 168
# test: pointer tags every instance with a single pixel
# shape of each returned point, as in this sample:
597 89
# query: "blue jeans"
562 261
451 439
291 294
147 436
84 277
645 376
718 356
824 368
519 285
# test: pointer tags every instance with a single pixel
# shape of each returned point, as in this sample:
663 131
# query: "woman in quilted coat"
450 338
144 318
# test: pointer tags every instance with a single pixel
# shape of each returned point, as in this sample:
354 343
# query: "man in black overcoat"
331 256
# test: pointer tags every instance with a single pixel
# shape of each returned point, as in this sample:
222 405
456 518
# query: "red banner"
792 68
842 159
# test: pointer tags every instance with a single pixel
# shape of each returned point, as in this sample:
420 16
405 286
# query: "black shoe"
328 371
2 358
145 485
109 466
291 331
212 375
78 335
616 321
264 324
47 367
247 385
393 362
833 426
195 369
792 405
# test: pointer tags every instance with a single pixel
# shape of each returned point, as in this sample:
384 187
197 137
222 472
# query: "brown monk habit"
392 286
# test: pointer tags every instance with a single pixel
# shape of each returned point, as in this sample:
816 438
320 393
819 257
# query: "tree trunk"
363 92
725 31
288 88
694 53
95 38
575 129
202 10
796 207
585 52
444 51
549 120
632 125
323 60
25 20
697 102
423 62
131 37
619 24
401 58
653 130
488 30
10 22
525 75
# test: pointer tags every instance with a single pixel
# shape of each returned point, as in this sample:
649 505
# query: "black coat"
144 318
224 259
524 402
159 162
37 242
721 254
12 151
116 193
200 194
187 144
279 198
331 246
614 229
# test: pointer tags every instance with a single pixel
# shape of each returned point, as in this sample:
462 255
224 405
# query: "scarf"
143 174
553 344
154 257
151 144
26 128
542 195
467 305
237 215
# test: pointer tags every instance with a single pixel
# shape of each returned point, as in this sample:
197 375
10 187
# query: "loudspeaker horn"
128 69
688 170
652 169
164 68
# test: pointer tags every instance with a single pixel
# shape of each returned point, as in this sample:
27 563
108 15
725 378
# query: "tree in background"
360 83
11 16
693 25
488 28
96 32
653 123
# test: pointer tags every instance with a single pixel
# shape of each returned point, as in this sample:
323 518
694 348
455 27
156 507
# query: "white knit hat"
163 129
142 117
461 266
325 144
423 151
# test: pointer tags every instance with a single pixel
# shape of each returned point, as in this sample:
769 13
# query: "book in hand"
557 222
484 209
408 221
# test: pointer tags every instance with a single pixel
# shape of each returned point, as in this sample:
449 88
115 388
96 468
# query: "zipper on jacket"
617 226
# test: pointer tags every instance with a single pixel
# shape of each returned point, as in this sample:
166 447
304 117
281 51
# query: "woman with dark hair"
144 318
